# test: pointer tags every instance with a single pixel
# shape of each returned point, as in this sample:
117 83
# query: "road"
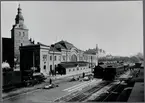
43 95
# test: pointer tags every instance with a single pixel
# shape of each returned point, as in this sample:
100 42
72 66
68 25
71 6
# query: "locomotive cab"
109 73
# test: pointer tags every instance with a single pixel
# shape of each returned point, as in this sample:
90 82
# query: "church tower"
19 34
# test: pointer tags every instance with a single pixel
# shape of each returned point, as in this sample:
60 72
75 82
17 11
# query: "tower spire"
19 17
19 5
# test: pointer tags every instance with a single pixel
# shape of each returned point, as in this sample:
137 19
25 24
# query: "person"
83 74
50 81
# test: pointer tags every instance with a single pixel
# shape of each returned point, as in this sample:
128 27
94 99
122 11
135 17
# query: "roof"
33 46
64 45
72 64
90 51
43 44
54 49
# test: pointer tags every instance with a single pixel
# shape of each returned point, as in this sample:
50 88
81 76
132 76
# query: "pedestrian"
83 74
50 81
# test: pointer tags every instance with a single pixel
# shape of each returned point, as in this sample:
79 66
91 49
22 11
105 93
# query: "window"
19 33
64 58
69 70
55 58
23 34
77 68
59 58
44 57
44 67
73 69
50 57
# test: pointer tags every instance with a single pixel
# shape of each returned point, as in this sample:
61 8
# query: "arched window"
44 67
73 58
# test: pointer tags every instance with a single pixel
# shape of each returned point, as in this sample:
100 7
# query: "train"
17 79
108 72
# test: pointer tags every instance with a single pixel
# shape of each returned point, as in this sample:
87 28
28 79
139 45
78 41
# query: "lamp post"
33 62
15 59
91 64
66 55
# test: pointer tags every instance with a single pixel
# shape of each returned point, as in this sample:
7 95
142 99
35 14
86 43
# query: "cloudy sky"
117 27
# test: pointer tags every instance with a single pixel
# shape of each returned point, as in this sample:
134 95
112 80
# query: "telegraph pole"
97 53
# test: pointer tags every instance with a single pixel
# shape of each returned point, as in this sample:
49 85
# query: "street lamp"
66 55
15 59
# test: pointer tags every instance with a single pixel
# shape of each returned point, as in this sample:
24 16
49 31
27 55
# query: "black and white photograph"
72 51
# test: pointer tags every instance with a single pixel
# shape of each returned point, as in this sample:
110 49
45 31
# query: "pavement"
49 95
35 87
137 94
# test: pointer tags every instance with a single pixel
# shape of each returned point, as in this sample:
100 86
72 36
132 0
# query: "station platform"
137 94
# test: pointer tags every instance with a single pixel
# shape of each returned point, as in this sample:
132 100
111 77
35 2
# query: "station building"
61 57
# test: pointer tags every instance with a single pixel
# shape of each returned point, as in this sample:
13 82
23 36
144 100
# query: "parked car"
74 79
50 86
86 78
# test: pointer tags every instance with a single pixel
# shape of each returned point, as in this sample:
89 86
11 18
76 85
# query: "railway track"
82 95
114 94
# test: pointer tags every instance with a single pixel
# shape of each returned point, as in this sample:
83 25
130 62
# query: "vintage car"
50 86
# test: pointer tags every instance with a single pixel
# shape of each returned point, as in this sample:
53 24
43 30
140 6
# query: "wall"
56 62
44 61
19 36
76 69
7 51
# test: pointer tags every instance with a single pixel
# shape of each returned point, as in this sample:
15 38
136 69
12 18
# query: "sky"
116 26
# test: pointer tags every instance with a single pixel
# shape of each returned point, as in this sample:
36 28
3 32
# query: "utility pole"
33 59
66 55
97 53
53 57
